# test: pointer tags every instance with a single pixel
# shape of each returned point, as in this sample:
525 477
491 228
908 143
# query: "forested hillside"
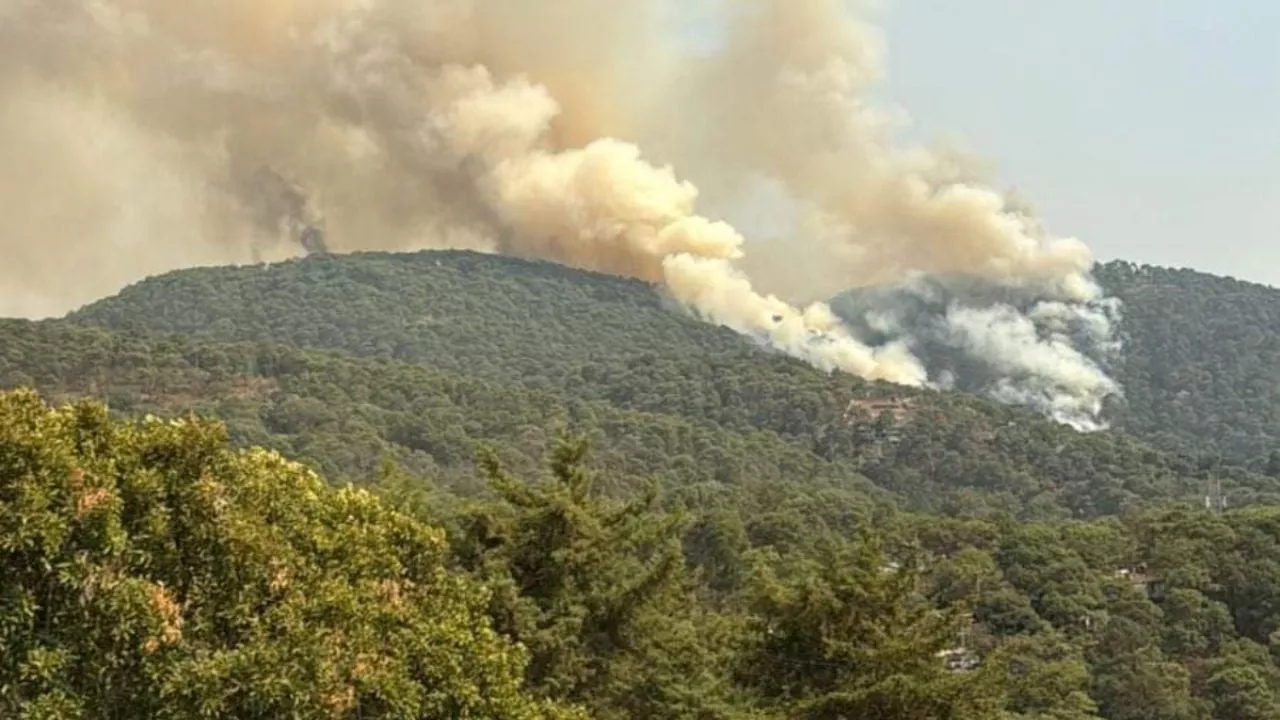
1201 366
814 546
151 571
428 355
352 418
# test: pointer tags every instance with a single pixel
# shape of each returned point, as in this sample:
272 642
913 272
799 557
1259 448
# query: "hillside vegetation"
151 571
426 355
572 500
1201 368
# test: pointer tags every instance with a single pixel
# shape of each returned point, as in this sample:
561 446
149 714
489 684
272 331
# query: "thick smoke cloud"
146 135
1002 342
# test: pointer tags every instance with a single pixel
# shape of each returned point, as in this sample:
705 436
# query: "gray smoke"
142 136
1005 343
281 210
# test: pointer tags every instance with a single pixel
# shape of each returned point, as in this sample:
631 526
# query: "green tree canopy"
149 571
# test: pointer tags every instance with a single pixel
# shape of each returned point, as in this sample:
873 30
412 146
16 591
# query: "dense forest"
596 338
322 360
153 571
1201 368
518 490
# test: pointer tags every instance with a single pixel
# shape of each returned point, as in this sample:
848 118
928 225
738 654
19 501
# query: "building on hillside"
898 407
1139 578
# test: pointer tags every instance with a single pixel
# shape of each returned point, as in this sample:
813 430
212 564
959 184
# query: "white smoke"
1033 366
146 135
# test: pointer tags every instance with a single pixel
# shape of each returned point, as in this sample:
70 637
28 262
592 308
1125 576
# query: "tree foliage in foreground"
599 592
150 572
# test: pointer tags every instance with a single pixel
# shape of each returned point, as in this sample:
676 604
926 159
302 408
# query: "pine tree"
848 634
596 590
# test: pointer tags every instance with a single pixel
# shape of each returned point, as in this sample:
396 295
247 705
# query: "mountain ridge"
1234 409
516 331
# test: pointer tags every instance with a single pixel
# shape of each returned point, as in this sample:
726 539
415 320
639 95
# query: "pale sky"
1150 129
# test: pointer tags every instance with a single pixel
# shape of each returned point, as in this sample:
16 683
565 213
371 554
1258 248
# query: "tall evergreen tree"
848 634
596 590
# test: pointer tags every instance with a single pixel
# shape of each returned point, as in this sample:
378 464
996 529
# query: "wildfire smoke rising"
146 135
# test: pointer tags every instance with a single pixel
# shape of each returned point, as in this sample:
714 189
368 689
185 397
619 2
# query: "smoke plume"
147 135
1001 342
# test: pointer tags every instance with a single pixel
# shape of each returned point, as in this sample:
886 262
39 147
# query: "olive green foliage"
785 609
345 415
1201 362
597 589
442 350
846 634
153 572
150 572
746 537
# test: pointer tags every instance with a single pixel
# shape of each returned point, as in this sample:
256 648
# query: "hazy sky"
1148 128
